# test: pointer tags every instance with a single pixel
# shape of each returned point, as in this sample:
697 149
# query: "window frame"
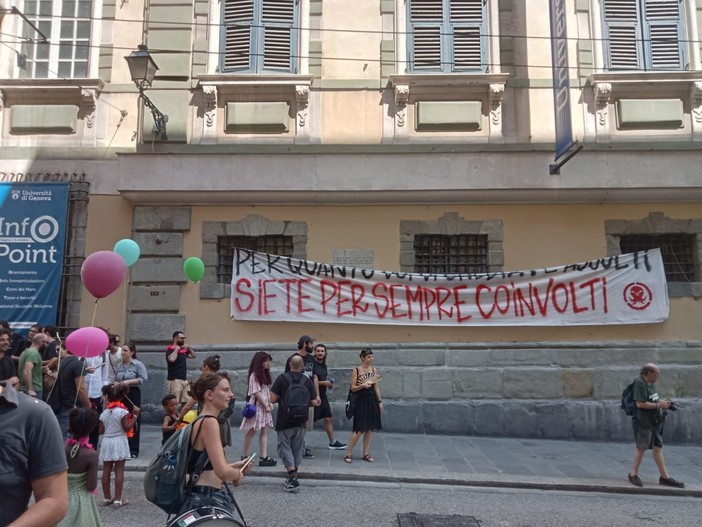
256 47
645 57
651 241
656 223
449 265
55 22
447 34
248 242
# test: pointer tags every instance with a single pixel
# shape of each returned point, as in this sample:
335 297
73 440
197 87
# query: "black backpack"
628 403
296 400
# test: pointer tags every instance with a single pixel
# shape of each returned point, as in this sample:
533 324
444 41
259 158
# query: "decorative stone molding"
87 103
302 97
696 101
401 100
497 93
451 224
209 95
253 225
603 94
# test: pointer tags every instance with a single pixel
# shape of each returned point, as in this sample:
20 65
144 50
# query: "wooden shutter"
447 35
468 35
426 18
238 21
622 34
662 34
278 21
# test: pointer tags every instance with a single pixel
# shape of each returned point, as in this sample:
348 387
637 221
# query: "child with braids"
115 423
82 470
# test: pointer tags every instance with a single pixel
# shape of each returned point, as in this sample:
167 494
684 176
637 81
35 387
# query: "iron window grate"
677 250
278 245
462 253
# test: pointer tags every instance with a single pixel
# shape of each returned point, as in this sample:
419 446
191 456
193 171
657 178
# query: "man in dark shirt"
34 461
291 436
648 426
8 370
305 345
323 411
177 355
69 391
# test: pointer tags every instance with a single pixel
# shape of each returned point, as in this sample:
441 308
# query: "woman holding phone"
213 393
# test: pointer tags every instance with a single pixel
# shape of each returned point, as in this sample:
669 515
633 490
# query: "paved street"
478 461
368 504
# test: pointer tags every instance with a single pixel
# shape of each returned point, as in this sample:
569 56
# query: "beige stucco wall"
534 236
109 220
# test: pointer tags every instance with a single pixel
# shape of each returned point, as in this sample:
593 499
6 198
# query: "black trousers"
95 434
134 399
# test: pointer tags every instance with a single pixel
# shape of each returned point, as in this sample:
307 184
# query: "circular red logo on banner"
637 296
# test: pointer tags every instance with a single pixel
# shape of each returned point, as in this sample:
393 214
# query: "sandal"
368 458
117 504
348 458
106 502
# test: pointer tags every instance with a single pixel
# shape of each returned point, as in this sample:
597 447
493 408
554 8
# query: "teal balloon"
129 250
194 268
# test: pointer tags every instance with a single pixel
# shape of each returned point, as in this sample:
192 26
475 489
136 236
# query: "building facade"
411 135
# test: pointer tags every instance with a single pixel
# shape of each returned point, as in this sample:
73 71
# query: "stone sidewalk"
475 461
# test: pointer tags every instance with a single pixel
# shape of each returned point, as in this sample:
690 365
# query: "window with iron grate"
452 254
677 250
278 245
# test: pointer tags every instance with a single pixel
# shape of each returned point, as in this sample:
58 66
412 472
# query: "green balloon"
194 268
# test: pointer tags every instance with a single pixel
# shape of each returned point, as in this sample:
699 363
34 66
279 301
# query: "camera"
672 407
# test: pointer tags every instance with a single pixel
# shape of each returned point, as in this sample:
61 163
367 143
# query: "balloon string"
92 323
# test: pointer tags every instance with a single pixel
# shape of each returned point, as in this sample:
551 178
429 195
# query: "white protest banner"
624 289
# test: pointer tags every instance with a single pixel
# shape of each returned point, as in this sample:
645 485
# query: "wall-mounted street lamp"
143 70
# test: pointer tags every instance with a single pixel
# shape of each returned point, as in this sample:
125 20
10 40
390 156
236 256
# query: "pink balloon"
103 272
87 342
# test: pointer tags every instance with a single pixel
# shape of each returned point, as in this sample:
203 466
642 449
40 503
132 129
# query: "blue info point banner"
32 236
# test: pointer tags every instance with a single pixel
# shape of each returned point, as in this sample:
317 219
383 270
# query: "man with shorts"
648 426
323 411
177 355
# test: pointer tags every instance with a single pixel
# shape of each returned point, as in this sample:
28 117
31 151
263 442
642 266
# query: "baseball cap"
303 339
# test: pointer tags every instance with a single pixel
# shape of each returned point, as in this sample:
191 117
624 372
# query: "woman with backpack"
213 393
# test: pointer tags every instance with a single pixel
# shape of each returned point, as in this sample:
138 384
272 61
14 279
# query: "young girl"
115 422
259 390
170 420
82 470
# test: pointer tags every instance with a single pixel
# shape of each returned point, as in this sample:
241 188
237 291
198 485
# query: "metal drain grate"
436 520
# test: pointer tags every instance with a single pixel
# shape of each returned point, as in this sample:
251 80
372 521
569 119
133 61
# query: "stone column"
155 285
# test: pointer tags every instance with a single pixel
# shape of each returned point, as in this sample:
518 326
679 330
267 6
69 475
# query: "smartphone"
249 460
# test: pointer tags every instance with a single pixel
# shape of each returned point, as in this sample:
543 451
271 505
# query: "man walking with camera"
648 426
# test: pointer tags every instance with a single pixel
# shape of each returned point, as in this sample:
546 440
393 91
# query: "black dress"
366 416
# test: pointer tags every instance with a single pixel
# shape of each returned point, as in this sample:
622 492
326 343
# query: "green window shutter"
238 18
278 21
426 18
467 30
447 35
622 34
663 29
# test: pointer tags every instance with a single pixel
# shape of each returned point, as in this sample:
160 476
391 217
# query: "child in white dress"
115 423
